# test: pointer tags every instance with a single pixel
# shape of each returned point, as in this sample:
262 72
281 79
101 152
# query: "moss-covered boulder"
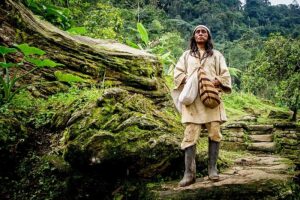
128 132
275 114
121 129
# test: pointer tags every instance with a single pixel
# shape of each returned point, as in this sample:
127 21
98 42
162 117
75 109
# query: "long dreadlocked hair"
208 46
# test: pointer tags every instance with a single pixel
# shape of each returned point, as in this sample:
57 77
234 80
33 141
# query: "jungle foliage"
163 27
23 55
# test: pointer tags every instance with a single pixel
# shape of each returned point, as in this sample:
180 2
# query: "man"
196 115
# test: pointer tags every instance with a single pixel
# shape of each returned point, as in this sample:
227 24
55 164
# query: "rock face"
122 129
126 126
255 177
98 62
287 137
280 115
128 132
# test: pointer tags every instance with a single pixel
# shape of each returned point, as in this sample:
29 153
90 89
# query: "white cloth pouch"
190 90
175 96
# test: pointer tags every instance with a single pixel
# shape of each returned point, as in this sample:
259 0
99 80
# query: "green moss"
23 100
120 127
108 84
231 156
238 104
66 77
169 81
74 77
12 132
65 103
58 162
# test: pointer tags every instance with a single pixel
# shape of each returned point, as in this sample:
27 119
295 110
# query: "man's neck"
201 46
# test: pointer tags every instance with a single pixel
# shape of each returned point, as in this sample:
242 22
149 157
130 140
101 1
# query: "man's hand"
216 83
184 80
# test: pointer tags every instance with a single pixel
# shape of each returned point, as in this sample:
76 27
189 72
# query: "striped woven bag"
209 95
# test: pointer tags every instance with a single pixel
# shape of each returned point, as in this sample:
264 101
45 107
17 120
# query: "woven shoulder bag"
209 95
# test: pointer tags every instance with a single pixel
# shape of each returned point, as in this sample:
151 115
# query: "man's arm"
180 70
223 79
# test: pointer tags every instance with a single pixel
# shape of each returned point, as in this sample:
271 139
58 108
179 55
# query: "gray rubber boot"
190 167
213 153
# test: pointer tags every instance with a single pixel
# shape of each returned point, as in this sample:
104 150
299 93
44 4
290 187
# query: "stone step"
262 146
260 132
260 127
261 138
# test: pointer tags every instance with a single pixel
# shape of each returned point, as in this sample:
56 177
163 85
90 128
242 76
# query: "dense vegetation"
242 32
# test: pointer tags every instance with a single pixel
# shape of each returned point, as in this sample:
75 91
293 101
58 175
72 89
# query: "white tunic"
215 67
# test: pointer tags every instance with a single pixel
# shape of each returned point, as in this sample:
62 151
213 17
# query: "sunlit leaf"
234 71
166 55
132 44
28 50
143 33
77 30
43 63
5 50
53 11
140 46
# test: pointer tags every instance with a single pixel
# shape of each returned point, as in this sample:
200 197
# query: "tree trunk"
97 61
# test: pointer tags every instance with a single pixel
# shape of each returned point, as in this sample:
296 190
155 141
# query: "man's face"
201 35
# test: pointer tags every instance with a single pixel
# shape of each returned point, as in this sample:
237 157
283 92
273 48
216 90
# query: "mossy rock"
277 114
121 128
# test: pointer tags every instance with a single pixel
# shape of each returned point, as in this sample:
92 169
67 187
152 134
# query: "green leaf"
143 33
77 30
43 63
5 50
28 50
132 44
49 63
166 55
234 71
7 65
53 11
140 46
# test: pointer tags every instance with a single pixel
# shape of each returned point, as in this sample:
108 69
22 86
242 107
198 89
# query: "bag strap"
218 70
185 58
185 62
